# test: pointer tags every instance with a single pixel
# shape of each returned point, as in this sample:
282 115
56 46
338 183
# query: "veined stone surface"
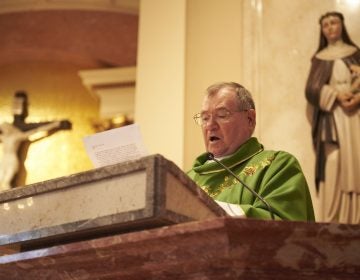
138 194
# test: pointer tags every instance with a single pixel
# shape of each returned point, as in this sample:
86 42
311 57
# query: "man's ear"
252 118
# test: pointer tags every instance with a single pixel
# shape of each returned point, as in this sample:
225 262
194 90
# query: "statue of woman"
333 90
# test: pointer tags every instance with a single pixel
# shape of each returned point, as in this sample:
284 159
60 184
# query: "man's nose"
212 122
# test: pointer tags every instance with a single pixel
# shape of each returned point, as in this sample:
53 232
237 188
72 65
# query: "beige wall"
265 45
159 99
213 54
184 46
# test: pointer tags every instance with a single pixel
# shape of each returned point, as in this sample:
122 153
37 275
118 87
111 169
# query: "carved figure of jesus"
14 135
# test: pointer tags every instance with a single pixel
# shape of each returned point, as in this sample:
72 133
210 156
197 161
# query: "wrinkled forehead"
223 98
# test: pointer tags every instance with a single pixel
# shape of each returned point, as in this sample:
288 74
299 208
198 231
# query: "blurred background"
106 63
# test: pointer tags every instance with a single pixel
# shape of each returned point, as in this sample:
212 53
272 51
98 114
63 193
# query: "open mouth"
214 138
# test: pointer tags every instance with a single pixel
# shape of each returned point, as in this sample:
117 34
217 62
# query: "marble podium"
147 220
124 197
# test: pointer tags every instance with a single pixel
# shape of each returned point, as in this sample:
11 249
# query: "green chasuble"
274 175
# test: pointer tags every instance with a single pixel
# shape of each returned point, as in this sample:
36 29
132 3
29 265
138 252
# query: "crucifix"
15 140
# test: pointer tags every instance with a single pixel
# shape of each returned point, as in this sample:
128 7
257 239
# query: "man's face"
223 136
332 28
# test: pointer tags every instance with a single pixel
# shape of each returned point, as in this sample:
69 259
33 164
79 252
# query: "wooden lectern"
146 219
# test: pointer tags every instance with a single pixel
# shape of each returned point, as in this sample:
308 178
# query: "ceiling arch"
89 38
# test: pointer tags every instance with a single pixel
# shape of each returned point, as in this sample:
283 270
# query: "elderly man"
228 120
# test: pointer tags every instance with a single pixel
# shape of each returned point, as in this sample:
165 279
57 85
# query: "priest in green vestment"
228 120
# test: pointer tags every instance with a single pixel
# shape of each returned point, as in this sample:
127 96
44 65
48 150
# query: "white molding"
103 77
114 89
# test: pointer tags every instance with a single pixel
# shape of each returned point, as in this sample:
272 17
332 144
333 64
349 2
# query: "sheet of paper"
115 145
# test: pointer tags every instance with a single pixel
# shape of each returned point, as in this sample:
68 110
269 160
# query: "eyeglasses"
221 115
